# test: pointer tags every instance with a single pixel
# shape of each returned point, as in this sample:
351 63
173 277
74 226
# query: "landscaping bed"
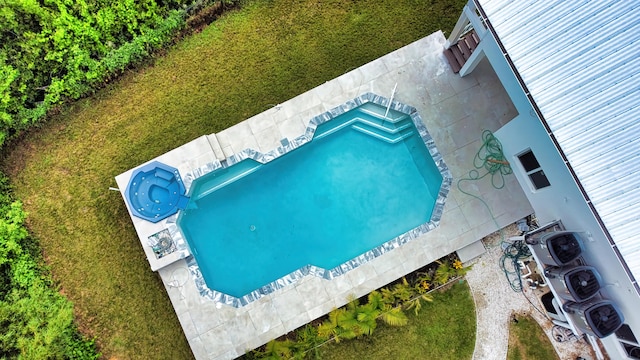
389 307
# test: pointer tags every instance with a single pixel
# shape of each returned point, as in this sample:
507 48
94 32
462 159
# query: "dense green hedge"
36 320
53 50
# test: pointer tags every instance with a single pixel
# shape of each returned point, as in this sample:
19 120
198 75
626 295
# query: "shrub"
59 50
37 321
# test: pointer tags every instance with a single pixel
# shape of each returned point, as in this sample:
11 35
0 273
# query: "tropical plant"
394 316
423 282
276 350
338 326
461 270
444 272
398 294
307 343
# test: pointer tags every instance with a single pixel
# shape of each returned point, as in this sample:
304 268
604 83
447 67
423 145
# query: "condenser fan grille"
564 247
584 284
604 319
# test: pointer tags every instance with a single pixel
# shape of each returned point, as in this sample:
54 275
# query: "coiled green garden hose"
490 158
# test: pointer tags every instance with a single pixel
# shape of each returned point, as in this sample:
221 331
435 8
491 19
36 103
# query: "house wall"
563 199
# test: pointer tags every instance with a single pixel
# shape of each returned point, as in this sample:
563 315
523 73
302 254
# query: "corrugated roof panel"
621 230
604 163
537 49
581 71
533 16
580 61
618 129
628 239
623 97
568 35
588 145
609 161
505 12
604 193
600 119
620 200
583 79
591 99
613 83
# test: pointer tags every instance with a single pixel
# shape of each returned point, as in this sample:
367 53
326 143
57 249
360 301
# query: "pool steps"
373 124
390 130
253 166
388 139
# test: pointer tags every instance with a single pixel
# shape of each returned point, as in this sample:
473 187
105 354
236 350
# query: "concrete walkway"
496 303
455 111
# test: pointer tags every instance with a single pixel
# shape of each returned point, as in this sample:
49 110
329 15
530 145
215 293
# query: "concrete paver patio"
455 111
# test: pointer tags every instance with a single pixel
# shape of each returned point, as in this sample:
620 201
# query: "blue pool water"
358 184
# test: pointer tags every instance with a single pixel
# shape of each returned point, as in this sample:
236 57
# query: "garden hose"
511 254
489 157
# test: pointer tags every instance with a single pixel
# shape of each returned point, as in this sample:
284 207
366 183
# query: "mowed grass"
527 341
444 329
263 54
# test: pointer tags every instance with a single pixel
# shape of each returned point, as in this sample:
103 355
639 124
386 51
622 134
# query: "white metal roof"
580 61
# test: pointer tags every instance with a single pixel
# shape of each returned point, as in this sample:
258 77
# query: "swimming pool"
361 186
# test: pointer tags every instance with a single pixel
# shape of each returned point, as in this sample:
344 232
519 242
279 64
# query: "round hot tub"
155 192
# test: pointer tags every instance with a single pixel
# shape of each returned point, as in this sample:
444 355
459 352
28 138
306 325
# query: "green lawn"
261 55
527 341
443 329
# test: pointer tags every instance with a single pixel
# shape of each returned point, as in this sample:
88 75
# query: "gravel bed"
496 304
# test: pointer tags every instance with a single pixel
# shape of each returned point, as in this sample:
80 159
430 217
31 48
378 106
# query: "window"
628 341
625 333
633 351
532 168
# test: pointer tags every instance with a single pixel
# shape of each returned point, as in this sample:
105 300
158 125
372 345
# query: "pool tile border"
290 145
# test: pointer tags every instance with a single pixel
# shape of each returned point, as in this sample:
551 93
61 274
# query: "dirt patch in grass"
527 340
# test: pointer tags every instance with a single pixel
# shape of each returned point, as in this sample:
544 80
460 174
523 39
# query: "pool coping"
290 145
449 105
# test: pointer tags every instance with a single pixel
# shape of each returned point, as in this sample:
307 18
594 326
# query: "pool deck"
455 111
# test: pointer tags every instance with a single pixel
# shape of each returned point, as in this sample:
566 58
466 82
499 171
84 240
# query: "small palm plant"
307 343
398 294
444 272
365 318
276 350
333 326
394 317
388 313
